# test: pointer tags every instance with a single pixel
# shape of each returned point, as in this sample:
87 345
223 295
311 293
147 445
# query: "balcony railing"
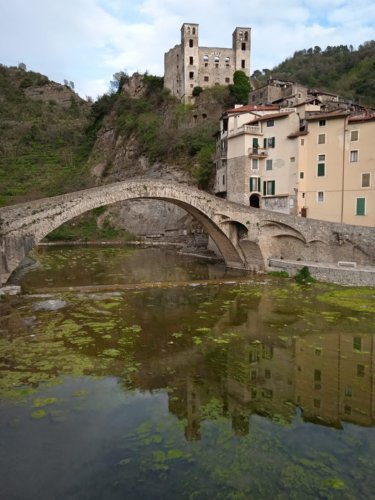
258 152
245 129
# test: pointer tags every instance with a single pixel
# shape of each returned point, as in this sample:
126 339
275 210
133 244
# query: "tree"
241 87
118 81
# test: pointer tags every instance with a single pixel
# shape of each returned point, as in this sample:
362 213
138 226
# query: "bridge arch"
36 219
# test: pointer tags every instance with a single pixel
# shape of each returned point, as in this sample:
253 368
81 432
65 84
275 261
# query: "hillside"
42 138
341 69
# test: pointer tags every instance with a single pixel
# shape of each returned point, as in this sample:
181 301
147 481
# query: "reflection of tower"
240 424
192 429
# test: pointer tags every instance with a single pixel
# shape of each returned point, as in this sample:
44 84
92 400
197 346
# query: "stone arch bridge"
246 237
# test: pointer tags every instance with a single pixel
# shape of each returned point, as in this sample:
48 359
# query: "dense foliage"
240 88
341 69
42 143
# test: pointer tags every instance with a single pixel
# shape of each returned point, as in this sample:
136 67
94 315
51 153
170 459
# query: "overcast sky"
86 41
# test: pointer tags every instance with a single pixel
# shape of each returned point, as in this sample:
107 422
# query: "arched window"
227 61
205 58
217 59
246 36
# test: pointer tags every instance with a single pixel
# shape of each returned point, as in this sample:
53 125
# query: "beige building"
299 161
187 65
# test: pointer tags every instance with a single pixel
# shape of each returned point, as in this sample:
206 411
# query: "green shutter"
273 187
361 204
321 169
255 142
259 184
264 188
264 143
273 142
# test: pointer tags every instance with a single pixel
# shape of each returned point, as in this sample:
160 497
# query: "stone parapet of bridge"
246 237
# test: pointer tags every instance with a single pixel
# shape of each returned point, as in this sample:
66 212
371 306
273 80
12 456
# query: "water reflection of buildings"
330 377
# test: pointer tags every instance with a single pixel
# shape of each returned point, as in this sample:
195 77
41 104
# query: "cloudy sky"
86 41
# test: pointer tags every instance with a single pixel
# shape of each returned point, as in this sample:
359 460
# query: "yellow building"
299 161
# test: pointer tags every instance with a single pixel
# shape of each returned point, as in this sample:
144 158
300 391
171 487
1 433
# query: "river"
143 374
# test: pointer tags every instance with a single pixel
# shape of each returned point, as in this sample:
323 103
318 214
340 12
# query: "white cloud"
86 41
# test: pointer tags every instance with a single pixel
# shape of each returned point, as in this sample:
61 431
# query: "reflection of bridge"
246 238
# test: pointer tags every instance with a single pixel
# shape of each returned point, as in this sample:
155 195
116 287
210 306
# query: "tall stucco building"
187 65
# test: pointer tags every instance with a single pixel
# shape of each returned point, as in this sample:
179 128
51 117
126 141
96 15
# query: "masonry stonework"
187 65
246 237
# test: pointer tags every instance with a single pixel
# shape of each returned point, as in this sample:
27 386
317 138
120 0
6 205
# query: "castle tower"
190 56
187 65
241 49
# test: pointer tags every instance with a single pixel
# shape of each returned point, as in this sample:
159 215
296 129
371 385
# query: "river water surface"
129 373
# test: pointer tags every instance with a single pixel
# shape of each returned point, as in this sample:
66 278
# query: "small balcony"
258 153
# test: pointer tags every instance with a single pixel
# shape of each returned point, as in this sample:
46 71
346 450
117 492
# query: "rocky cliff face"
116 156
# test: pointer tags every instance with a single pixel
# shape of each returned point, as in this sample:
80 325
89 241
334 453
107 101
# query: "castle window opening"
243 63
191 60
243 46
227 80
191 75
194 31
205 58
246 36
241 35
217 59
191 43
227 61
206 78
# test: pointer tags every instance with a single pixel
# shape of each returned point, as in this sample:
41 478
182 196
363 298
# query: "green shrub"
303 276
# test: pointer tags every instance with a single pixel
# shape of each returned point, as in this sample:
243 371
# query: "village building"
188 65
299 161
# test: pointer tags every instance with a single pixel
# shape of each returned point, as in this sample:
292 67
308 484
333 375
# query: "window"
243 46
191 43
269 188
216 59
321 169
205 58
302 142
317 379
191 75
353 156
365 180
254 183
348 391
347 410
224 179
360 370
321 157
322 123
191 60
269 164
269 142
243 63
354 135
227 61
357 344
318 351
302 175
360 206
246 35
227 80
206 78
254 164
270 123
292 159
321 138
193 31
320 197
